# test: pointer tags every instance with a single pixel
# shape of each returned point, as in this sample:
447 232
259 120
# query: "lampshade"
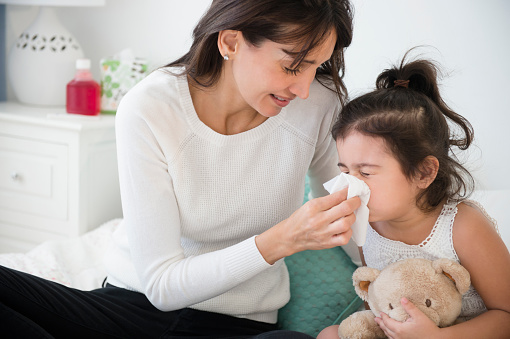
42 60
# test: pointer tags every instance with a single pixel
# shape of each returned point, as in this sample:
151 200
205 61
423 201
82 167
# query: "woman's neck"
411 229
222 110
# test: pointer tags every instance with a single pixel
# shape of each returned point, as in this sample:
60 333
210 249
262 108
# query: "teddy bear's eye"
391 307
428 302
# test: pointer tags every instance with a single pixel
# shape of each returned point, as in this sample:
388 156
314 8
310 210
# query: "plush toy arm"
360 325
362 278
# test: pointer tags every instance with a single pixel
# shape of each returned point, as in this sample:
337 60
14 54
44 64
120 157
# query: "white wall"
471 40
472 43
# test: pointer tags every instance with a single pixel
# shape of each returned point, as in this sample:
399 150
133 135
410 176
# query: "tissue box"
117 77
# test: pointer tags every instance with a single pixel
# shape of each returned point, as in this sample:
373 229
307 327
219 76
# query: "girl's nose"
358 176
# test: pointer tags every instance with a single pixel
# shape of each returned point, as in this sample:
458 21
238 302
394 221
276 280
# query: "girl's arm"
483 253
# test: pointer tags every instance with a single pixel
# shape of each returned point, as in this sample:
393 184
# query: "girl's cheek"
372 202
372 210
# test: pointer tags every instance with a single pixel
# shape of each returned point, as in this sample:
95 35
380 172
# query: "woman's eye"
364 174
292 71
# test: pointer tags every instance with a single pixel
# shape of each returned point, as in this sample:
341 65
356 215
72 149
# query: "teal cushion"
321 289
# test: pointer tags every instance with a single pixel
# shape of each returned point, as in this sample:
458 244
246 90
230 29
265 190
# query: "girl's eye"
292 71
364 174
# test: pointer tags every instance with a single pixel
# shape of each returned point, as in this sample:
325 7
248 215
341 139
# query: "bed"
321 287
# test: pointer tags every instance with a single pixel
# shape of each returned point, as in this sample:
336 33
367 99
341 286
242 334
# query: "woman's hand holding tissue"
320 223
359 188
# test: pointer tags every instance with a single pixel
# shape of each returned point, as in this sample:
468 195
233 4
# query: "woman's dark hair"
407 111
283 21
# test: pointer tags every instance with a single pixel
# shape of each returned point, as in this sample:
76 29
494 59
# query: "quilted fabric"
321 290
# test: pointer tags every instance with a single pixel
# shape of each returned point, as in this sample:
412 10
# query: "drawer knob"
15 176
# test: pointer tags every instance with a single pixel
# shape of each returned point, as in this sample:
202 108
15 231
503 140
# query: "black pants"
31 307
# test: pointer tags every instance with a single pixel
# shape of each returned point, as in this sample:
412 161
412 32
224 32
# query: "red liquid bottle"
83 94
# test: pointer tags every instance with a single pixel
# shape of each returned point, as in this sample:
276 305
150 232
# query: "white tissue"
358 188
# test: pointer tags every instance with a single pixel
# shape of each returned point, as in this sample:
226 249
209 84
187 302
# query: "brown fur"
435 287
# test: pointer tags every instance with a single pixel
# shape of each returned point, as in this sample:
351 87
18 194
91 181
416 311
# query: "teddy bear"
434 286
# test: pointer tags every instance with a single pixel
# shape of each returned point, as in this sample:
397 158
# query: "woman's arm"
325 221
320 223
152 219
153 228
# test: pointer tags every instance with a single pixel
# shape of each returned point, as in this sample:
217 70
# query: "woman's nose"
301 86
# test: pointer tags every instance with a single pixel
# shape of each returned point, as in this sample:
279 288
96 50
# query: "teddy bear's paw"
360 325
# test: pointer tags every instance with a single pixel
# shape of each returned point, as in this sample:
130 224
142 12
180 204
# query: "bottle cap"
83 64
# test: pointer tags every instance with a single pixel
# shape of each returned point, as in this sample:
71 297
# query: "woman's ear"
427 171
228 41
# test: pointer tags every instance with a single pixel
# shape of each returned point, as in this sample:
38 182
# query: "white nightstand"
58 174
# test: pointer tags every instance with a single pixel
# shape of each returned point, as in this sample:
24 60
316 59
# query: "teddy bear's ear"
362 278
454 271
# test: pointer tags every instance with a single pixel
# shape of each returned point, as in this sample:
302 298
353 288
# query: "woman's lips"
280 101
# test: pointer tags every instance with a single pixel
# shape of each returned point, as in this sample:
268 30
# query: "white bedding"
75 262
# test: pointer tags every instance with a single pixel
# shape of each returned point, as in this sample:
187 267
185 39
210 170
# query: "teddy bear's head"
435 287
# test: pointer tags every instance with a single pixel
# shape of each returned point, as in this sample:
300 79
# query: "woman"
213 151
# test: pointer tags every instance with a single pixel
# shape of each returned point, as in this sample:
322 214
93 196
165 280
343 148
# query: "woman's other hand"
320 223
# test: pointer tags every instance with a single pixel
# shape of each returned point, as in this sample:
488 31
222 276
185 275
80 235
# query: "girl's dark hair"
283 21
407 111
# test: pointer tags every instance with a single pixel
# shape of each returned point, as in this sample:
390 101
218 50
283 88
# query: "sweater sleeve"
152 225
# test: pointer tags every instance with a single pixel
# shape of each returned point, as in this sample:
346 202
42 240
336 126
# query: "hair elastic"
401 83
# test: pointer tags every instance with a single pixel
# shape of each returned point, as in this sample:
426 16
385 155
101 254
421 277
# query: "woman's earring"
225 57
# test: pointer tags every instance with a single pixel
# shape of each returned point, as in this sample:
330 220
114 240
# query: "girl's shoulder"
471 212
473 225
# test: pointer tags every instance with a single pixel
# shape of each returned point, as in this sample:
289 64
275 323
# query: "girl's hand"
320 223
418 325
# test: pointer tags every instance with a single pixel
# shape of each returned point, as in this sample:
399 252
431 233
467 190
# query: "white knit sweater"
193 199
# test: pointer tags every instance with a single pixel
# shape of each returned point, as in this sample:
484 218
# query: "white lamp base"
42 61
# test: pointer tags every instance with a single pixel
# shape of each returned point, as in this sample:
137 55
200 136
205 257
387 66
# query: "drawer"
33 177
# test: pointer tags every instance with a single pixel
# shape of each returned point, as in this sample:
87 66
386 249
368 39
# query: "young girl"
398 139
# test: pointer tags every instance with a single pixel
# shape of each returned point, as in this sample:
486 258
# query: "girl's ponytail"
421 76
